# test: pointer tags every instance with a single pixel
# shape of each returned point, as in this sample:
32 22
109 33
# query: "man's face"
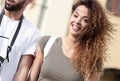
14 5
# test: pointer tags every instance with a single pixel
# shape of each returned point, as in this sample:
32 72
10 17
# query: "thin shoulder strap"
48 45
14 37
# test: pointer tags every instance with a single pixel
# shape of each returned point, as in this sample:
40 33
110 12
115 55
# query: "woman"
79 56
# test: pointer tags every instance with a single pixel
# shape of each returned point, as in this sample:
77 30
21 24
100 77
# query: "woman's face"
79 20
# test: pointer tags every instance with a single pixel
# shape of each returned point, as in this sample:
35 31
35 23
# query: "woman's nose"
78 20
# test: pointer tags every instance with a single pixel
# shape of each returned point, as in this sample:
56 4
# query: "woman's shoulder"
44 39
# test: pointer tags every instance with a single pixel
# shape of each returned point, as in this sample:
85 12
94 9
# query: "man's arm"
23 68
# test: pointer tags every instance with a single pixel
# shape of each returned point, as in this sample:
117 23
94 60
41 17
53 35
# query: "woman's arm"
36 66
95 76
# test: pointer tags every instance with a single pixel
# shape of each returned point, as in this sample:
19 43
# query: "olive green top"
56 66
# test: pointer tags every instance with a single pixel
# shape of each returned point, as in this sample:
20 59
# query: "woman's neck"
70 41
69 46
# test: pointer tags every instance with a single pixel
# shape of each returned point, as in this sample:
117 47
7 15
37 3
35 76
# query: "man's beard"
15 7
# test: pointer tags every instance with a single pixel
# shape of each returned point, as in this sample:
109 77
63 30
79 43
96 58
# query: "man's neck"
15 15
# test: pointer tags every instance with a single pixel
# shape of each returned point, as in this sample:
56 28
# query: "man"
17 55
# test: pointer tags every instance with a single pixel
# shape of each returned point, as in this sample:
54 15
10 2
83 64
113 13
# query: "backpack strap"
48 45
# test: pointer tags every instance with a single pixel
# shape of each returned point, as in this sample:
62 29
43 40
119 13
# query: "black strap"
1 16
17 30
15 35
1 61
14 38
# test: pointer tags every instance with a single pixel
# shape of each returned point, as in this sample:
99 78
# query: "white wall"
32 12
56 17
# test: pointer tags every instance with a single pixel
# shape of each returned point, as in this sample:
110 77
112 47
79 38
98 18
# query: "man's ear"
29 1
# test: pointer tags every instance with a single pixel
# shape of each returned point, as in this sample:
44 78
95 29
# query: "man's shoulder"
26 22
29 27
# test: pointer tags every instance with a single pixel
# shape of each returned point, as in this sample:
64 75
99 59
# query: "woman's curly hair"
92 48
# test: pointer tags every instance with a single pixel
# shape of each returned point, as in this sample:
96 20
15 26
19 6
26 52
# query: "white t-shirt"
25 44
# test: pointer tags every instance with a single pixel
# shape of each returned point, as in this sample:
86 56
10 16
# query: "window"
113 6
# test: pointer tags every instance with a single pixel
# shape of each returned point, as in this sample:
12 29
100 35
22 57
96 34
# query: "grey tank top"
56 66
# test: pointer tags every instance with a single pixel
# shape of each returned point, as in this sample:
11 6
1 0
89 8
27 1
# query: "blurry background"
51 17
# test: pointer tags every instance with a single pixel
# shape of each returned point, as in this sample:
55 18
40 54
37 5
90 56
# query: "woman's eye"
86 20
75 15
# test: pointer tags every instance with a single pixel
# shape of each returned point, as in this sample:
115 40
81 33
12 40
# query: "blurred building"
1 3
51 17
113 11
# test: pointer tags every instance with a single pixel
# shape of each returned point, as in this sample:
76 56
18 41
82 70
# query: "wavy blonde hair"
92 48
